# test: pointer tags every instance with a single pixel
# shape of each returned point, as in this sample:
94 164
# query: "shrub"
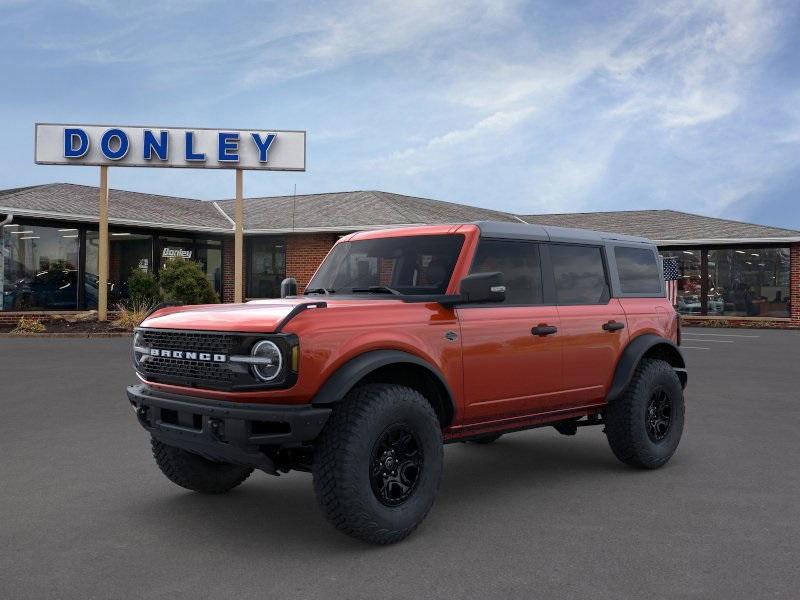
26 325
132 313
143 288
184 281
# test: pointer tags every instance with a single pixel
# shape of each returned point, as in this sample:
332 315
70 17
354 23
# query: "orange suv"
405 340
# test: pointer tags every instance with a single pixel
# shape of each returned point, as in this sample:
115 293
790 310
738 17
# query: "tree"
184 281
143 288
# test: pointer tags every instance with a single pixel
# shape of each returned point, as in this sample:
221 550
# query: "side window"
519 264
638 270
580 275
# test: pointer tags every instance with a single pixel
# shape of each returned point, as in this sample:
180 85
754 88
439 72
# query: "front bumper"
225 431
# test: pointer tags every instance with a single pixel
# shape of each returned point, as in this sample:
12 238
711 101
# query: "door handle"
613 326
543 330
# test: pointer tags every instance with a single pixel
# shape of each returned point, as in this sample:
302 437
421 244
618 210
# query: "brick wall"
228 267
304 253
794 283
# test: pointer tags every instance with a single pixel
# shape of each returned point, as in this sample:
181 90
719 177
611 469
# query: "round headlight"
138 347
269 360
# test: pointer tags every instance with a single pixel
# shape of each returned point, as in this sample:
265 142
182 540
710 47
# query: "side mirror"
288 287
483 287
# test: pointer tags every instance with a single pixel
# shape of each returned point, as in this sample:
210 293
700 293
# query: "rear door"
508 369
593 325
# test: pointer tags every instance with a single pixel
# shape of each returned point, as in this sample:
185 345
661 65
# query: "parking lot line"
724 335
706 341
694 348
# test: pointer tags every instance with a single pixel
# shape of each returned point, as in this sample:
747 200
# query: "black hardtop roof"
550 233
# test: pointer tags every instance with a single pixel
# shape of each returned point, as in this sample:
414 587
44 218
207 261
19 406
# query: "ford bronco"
408 339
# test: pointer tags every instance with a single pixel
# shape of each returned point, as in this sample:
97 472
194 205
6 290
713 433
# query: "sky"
527 107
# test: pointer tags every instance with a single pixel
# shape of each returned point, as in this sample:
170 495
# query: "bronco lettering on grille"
186 355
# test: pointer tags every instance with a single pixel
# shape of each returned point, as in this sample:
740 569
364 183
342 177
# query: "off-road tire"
626 417
196 473
344 458
486 438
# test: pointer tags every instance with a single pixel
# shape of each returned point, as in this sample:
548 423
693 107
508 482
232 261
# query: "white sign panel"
189 148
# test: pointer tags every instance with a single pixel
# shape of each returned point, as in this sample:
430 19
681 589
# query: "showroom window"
206 252
266 266
209 255
690 279
748 282
128 251
39 267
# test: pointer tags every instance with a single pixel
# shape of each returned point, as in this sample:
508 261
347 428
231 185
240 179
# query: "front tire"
378 463
193 472
645 424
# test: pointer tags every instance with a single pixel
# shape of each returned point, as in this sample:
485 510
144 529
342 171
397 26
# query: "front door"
510 370
593 325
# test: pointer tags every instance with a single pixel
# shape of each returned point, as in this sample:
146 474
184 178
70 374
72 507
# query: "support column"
102 254
238 250
794 284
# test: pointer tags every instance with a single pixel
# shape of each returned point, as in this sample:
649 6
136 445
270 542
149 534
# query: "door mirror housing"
288 287
482 287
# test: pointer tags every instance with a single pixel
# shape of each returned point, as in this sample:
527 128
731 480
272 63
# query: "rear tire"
645 424
378 463
193 472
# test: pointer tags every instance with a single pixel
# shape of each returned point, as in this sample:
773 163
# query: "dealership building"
738 273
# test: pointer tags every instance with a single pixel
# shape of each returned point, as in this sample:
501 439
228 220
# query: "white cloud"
349 32
476 143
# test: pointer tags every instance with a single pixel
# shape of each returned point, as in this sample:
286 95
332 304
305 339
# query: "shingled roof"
351 211
667 226
79 203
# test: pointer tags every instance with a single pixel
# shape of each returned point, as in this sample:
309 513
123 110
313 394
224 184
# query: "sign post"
175 147
103 253
238 242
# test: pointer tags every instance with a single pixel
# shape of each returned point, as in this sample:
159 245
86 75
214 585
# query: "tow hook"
215 426
142 415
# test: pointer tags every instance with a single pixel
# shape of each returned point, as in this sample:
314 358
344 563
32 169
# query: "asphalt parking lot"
84 512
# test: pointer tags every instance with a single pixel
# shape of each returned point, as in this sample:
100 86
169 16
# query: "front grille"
189 340
199 373
216 372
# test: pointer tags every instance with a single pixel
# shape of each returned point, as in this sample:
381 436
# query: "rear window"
580 275
638 270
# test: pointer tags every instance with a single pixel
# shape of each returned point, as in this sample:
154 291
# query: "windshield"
419 264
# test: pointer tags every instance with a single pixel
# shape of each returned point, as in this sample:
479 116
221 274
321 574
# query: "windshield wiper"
377 289
320 290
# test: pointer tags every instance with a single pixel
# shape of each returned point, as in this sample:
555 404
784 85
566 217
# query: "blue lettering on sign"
190 153
159 146
122 147
263 145
71 136
228 147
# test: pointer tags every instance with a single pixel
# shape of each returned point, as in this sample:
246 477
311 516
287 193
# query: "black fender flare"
350 373
634 353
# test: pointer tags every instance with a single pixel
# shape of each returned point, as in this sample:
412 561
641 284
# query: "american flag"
671 273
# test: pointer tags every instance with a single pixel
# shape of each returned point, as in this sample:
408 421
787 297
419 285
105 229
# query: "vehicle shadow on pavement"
263 511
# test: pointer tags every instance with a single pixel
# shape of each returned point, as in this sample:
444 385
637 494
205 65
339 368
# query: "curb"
116 334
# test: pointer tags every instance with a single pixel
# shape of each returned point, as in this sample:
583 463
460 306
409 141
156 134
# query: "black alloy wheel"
645 423
659 415
378 462
396 465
